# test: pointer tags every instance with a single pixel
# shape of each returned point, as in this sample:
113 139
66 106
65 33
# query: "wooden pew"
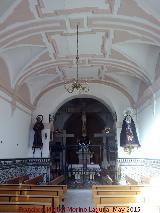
105 199
111 187
130 180
126 207
14 186
145 180
17 180
55 200
13 180
57 180
32 192
34 180
115 192
25 207
58 187
30 186
124 187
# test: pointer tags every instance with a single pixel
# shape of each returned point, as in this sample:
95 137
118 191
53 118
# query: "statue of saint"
128 133
37 143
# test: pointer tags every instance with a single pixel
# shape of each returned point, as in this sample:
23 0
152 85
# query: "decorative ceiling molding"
41 7
148 30
103 25
122 23
64 62
21 31
27 65
147 7
9 10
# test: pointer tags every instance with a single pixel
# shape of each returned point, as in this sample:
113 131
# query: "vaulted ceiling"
119 45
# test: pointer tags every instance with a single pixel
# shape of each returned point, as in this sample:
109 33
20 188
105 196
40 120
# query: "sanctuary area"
80 106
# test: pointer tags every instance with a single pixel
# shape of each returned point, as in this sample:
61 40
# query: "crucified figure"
84 132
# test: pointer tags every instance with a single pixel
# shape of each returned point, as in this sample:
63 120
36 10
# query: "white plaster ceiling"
119 43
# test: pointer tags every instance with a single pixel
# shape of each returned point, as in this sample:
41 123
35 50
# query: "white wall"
14 130
149 128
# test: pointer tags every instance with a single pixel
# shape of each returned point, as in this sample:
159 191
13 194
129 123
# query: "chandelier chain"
76 85
77 58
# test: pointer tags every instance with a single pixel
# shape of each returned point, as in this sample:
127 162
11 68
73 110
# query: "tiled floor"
78 200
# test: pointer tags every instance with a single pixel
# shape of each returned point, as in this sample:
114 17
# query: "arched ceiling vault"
119 44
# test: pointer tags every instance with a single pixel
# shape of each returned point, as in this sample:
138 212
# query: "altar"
79 171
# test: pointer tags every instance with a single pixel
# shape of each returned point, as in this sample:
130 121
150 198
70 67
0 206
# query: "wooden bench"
124 187
49 192
104 199
54 200
111 187
145 180
115 192
126 207
17 180
30 186
24 193
34 180
14 186
25 207
57 180
58 187
130 180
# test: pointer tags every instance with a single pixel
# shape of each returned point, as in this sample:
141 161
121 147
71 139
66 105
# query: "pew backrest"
34 180
105 199
145 180
57 180
130 180
32 192
55 200
25 207
32 186
124 187
115 192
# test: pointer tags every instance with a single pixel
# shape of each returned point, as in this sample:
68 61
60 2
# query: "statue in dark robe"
128 133
38 127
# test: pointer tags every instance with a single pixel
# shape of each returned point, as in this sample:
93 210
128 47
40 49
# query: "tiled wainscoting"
137 167
11 168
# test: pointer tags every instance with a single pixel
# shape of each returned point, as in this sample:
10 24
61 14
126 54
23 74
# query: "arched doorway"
84 137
